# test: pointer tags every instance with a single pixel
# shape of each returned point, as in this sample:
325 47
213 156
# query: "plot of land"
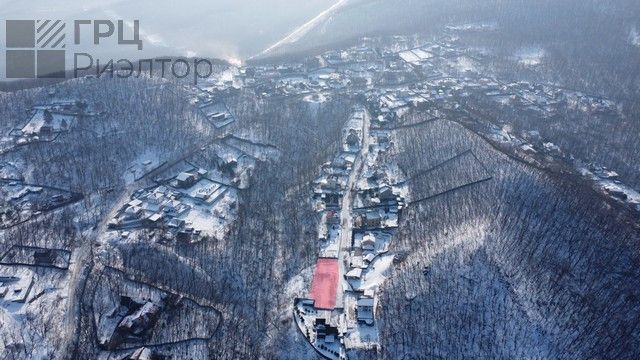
128 314
20 202
325 284
35 256
459 171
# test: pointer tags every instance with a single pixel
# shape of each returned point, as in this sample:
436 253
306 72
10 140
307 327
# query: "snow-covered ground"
144 163
615 188
24 322
376 273
57 122
530 56
464 64
214 220
480 26
634 37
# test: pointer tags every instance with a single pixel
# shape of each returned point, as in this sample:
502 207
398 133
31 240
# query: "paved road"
346 212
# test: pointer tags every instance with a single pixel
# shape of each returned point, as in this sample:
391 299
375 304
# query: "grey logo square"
50 34
21 33
26 44
50 63
21 64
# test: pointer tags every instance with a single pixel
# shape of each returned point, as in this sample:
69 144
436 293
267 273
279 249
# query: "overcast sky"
229 29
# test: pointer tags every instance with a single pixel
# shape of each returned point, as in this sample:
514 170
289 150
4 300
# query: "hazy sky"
229 29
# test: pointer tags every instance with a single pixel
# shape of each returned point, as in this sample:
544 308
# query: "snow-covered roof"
135 202
368 239
369 257
355 273
184 176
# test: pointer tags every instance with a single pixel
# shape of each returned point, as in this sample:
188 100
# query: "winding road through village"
346 211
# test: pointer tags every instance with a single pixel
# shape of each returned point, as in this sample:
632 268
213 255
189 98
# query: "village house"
140 321
364 310
357 261
16 287
354 274
325 331
369 258
155 220
185 180
176 223
368 242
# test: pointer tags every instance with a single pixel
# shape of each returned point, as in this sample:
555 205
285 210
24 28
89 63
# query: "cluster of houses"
20 202
349 71
133 314
216 112
182 209
368 244
393 77
321 325
134 318
48 120
322 328
190 203
549 99
208 98
377 199
544 99
331 186
292 80
377 206
396 74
